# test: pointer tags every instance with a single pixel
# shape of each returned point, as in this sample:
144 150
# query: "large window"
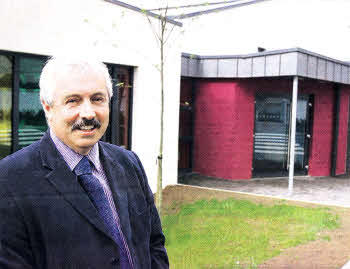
22 120
119 131
5 104
32 123
124 96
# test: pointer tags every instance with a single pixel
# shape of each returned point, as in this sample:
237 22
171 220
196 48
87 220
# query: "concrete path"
325 190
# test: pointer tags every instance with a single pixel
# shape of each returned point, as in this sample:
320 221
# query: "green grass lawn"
239 233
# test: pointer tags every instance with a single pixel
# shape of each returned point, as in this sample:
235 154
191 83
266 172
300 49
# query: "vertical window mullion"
131 92
15 105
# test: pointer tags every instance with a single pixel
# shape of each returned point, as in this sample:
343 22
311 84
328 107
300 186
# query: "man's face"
79 113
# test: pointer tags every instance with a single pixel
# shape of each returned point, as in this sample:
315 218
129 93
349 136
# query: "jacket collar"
66 183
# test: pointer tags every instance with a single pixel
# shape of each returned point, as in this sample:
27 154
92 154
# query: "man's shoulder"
20 160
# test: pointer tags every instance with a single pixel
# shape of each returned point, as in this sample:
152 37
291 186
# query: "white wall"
115 35
321 26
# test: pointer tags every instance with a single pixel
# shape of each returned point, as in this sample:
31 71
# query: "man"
70 201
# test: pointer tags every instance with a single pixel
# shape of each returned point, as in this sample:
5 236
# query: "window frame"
112 133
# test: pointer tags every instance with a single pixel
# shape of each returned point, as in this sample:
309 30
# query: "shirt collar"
71 157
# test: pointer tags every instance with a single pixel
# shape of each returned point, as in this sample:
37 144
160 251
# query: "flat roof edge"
277 63
264 53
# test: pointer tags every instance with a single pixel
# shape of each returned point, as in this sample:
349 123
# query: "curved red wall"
223 137
224 125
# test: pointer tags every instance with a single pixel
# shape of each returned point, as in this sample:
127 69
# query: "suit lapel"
118 183
66 183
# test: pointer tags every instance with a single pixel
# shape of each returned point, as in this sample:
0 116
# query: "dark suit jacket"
48 221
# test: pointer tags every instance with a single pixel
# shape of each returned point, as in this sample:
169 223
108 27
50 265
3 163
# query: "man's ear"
47 109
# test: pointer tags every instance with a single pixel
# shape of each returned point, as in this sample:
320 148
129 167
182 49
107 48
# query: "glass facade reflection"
271 133
32 123
5 104
301 133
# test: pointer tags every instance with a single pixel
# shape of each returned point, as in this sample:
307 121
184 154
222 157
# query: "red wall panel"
322 129
224 125
343 131
224 118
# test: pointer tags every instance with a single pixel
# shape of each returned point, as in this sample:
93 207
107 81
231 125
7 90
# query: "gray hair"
58 64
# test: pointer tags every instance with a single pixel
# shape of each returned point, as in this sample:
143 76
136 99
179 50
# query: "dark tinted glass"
119 118
271 133
271 138
32 123
5 104
300 134
124 103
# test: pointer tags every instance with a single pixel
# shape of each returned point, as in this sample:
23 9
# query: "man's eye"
98 99
71 101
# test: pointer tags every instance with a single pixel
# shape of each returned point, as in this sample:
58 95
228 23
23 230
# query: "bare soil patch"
331 251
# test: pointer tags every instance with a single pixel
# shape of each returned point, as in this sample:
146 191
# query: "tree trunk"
160 156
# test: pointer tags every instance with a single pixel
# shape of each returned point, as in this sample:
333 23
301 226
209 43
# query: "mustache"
85 122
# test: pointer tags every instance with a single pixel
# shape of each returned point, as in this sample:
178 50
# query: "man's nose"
87 111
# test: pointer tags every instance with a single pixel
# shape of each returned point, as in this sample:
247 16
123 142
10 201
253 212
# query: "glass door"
303 134
272 117
271 136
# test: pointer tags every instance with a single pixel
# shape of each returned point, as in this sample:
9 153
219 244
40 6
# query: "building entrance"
272 135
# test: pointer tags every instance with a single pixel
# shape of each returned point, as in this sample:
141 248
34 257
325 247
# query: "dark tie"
96 193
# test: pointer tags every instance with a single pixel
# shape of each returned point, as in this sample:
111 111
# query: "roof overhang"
289 62
143 11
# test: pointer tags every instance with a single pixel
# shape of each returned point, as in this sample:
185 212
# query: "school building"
235 114
225 116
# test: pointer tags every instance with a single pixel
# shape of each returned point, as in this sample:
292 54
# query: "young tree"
162 32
